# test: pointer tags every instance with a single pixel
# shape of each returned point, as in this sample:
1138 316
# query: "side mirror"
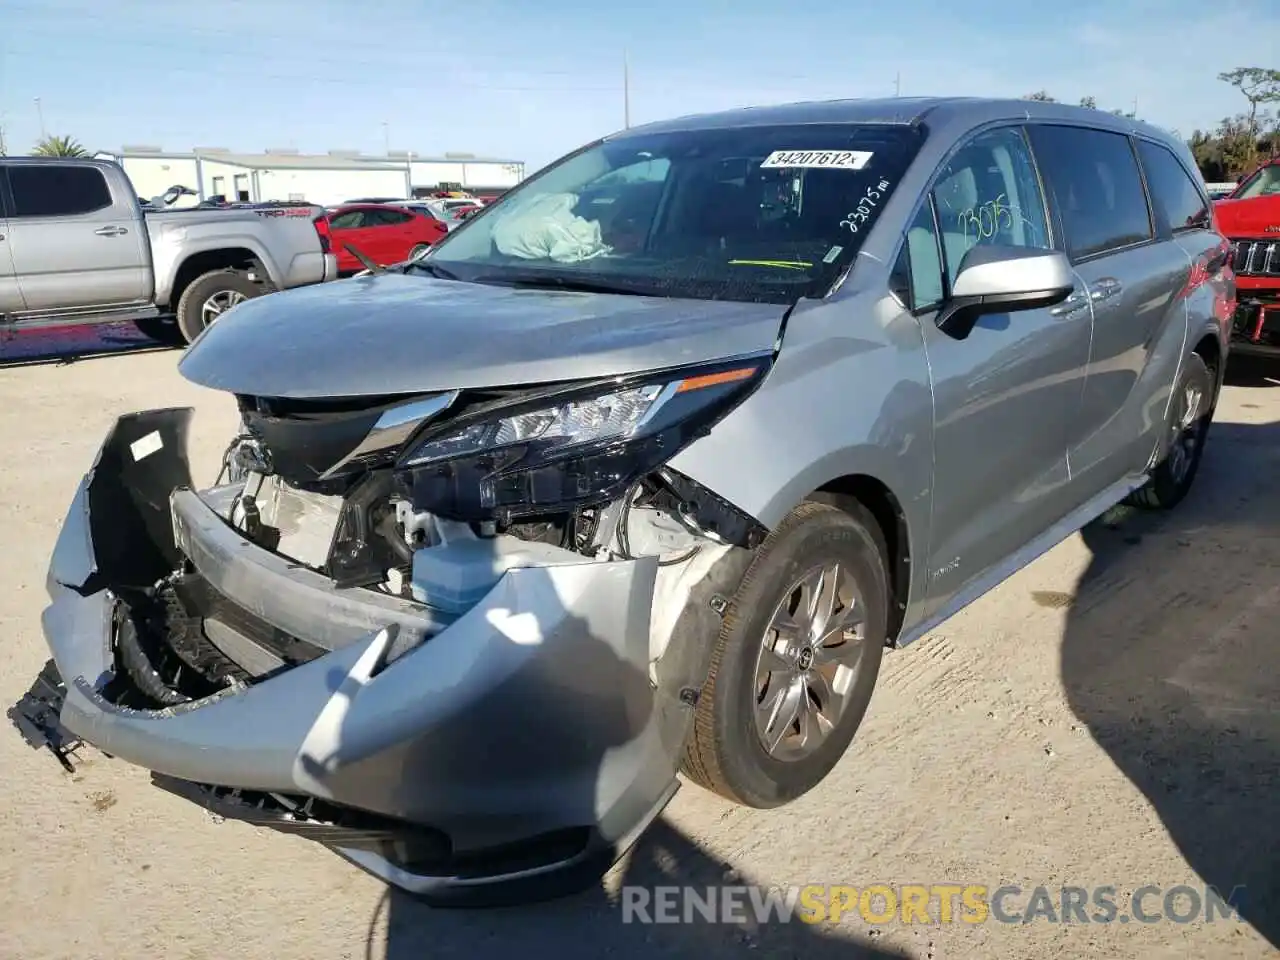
996 279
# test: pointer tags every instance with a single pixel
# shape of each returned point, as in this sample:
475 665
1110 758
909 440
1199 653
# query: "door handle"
1105 289
1073 304
111 231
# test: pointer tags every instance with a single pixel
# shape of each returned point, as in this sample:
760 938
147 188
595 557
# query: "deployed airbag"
546 228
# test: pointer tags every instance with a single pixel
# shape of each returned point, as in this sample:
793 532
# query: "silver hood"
392 334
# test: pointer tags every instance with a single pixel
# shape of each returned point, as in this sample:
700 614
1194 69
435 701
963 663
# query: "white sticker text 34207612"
822 159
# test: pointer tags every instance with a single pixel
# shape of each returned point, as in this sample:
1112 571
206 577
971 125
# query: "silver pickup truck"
77 246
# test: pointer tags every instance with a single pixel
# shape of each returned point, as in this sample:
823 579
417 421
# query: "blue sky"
530 81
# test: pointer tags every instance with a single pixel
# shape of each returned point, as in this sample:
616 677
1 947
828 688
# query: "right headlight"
582 446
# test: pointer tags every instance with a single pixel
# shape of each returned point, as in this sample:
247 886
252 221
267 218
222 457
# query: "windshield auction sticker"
833 159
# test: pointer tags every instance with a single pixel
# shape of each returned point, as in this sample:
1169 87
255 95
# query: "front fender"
848 395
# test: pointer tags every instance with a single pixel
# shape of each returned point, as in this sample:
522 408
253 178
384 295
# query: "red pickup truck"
1250 218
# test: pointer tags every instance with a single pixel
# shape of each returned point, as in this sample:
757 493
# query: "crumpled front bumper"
530 716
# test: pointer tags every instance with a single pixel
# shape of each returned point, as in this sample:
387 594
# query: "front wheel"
796 660
1190 413
211 295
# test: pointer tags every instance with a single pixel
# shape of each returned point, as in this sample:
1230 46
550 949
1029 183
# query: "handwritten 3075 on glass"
823 159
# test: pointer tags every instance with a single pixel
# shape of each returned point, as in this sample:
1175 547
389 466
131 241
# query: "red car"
1250 219
383 233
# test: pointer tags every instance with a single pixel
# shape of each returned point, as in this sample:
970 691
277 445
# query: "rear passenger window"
41 190
1094 178
1176 197
989 194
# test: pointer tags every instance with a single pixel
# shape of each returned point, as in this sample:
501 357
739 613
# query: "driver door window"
989 194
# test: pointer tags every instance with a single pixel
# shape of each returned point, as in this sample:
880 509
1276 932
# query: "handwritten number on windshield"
856 219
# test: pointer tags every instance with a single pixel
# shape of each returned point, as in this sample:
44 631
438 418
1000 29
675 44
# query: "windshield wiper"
365 262
431 268
551 282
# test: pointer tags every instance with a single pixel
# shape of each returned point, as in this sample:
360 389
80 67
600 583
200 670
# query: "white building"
465 170
325 179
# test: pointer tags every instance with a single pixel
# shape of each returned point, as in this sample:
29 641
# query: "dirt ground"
1111 715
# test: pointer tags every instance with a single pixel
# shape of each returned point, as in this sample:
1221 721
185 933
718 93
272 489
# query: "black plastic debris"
36 717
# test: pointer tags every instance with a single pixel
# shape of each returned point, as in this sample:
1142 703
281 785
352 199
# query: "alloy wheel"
809 658
1188 431
220 303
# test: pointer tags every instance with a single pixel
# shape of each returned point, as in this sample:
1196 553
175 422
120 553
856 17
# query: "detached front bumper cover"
529 717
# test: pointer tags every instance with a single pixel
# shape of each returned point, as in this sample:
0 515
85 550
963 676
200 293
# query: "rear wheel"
1190 413
210 296
419 250
796 660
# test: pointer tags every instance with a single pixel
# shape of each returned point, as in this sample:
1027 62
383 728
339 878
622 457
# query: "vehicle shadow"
59 346
595 923
1170 660
1246 370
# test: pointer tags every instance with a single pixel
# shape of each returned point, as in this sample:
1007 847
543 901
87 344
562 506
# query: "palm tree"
59 147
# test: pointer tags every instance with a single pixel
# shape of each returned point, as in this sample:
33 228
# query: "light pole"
626 91
40 114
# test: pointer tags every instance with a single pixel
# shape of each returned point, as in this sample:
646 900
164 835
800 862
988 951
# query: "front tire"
209 296
796 660
1190 414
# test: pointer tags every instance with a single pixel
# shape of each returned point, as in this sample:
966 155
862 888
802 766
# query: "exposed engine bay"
330 487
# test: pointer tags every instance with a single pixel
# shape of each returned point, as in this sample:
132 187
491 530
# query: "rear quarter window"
1176 197
1094 180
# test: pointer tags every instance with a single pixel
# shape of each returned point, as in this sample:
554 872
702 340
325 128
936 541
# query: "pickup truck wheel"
796 661
1190 413
211 295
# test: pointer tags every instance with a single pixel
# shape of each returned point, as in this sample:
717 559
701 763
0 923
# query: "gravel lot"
1108 716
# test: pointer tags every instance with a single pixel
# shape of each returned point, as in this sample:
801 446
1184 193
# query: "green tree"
59 147
1259 86
1041 95
1239 144
1089 102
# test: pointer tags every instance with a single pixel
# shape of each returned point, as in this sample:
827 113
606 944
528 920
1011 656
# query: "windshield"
1264 183
750 213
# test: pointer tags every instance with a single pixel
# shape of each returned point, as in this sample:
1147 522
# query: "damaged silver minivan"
638 472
